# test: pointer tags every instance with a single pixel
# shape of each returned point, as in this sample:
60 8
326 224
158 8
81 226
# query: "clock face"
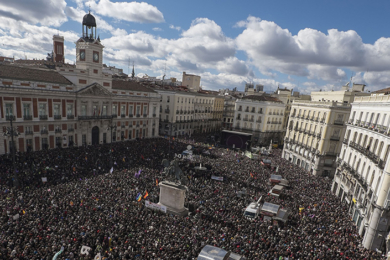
96 56
82 55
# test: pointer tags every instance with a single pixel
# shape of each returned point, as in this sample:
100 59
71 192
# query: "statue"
173 171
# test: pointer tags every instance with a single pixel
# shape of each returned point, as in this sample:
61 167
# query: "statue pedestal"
172 196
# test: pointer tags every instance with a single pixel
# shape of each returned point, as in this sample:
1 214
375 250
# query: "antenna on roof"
89 8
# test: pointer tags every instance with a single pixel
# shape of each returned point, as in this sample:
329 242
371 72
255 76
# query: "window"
26 109
104 111
84 140
123 110
131 110
57 109
29 144
44 143
9 109
145 110
42 109
58 141
69 109
168 99
138 109
83 110
114 109
154 110
95 110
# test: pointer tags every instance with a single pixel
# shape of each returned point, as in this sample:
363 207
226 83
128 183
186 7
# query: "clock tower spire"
89 50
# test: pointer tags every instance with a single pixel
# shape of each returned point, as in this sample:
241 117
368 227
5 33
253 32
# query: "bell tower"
89 50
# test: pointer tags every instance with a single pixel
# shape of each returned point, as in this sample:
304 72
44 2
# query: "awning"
270 207
282 215
354 200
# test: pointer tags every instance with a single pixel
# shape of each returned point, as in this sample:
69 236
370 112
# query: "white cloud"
44 12
310 53
132 12
157 29
178 28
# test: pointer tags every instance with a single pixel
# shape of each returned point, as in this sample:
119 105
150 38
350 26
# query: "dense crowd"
82 203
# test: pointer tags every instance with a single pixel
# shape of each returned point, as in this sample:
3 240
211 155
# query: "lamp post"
12 131
111 127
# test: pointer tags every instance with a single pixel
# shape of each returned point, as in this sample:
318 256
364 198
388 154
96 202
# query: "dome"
89 20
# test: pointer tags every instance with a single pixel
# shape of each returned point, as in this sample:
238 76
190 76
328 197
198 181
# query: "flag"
156 182
139 197
142 157
112 169
24 212
123 159
146 195
251 175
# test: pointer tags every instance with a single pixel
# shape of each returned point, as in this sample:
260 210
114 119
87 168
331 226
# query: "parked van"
252 211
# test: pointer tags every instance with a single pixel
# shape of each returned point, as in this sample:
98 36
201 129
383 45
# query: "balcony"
95 117
114 115
145 115
247 110
137 125
240 109
245 119
253 111
154 115
57 131
70 116
322 120
192 111
138 115
123 126
318 136
9 118
167 111
131 115
238 118
166 120
44 132
260 112
70 130
28 132
181 111
27 117
56 117
338 122
270 113
345 141
335 138
42 117
123 115
251 120
177 112
258 121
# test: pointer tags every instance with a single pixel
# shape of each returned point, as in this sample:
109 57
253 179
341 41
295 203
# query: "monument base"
172 196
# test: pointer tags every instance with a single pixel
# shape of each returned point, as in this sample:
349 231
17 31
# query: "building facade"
176 112
261 116
74 105
314 135
192 82
362 178
228 112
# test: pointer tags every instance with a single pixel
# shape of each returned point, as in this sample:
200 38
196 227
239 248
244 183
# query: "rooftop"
32 74
130 85
262 98
385 91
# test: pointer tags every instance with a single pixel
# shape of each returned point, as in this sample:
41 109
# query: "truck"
252 211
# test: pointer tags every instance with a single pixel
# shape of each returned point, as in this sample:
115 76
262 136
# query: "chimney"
58 49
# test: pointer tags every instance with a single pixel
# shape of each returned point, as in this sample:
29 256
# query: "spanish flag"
156 182
251 175
139 197
146 195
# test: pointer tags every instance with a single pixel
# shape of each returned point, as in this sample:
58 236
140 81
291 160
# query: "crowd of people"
88 197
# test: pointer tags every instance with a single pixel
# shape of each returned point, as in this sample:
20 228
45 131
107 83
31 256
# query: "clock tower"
89 51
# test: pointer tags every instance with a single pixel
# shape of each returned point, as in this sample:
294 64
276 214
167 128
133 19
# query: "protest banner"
218 178
155 206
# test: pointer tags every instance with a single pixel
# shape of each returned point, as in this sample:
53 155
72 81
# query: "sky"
301 45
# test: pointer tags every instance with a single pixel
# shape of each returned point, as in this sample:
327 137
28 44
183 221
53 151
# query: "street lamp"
12 131
111 127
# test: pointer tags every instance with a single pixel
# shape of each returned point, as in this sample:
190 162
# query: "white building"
260 115
176 112
314 134
362 179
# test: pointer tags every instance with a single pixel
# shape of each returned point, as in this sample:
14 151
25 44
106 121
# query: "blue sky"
304 45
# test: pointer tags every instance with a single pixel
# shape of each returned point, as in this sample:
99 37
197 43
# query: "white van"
252 211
